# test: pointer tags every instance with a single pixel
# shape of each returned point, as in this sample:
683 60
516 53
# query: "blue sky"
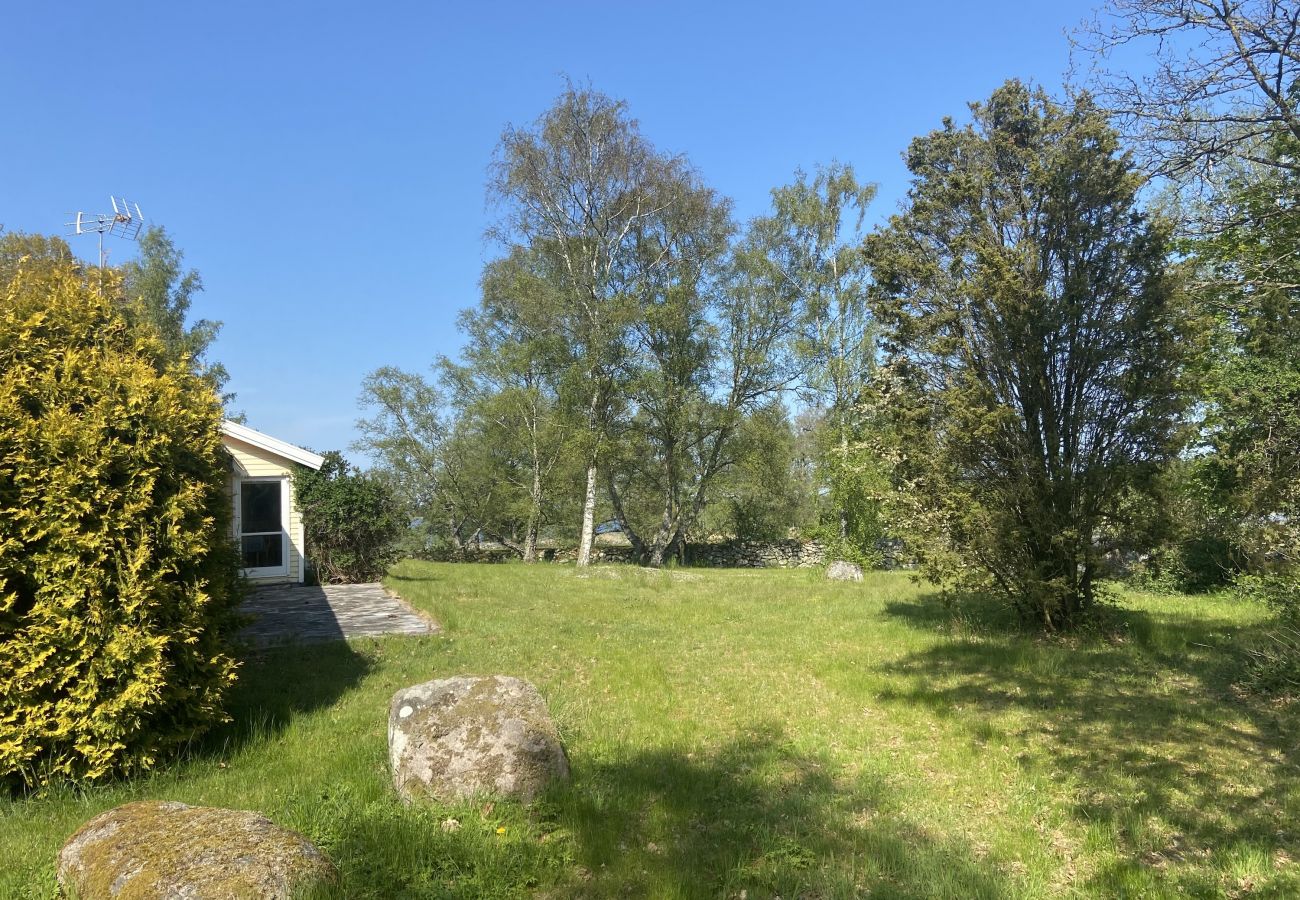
323 164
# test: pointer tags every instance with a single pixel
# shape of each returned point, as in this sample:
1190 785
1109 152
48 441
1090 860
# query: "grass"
763 734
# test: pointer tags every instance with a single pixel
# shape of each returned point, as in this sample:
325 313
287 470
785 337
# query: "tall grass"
762 734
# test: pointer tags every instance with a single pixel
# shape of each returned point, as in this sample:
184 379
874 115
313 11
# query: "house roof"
272 445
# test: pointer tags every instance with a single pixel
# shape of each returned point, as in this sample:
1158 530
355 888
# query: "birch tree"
512 378
575 185
715 347
809 250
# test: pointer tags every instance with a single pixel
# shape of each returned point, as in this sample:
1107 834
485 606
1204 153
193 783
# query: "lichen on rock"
459 737
151 849
840 570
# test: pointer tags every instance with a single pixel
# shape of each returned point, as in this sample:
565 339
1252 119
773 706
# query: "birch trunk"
534 516
844 457
588 517
535 504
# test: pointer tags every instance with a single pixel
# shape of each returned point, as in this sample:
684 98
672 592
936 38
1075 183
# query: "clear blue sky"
323 164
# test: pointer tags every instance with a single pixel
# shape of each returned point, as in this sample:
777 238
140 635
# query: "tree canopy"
1036 345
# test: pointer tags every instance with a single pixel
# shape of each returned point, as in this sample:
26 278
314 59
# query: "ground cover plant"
768 733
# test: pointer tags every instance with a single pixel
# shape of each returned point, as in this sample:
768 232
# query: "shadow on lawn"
276 684
423 577
1145 731
753 816
756 816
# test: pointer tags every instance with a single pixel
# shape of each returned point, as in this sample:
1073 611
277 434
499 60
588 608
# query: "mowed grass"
762 734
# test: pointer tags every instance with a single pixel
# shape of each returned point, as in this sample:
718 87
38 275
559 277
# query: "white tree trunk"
588 517
534 513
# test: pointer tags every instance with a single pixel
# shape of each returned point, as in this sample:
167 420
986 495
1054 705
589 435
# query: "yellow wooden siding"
254 462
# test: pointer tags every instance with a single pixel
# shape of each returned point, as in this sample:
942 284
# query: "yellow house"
268 526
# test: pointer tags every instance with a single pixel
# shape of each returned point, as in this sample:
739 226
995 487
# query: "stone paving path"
331 612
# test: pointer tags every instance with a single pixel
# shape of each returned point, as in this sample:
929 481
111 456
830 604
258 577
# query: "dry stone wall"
787 554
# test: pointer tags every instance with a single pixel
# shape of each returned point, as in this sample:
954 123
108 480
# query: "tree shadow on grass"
1182 774
759 817
975 611
753 815
422 577
277 684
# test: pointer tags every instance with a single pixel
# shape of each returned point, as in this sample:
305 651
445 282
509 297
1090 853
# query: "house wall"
254 462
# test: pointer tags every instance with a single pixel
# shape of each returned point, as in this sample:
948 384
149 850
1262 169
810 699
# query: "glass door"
262 539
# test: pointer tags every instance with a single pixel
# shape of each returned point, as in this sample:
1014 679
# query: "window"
261 524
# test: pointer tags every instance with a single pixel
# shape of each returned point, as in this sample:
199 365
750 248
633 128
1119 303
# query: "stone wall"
598 554
495 553
787 554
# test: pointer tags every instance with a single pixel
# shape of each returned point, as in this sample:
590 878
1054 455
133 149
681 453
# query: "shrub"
118 580
353 522
1273 657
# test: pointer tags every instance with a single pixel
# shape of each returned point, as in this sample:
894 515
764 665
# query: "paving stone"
332 612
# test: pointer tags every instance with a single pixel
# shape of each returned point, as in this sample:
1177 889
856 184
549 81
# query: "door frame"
282 570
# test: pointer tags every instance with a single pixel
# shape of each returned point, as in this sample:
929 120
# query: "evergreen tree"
1036 348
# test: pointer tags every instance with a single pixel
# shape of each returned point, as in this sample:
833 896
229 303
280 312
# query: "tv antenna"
125 221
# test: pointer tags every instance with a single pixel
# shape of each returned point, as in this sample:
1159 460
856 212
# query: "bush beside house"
118 579
353 522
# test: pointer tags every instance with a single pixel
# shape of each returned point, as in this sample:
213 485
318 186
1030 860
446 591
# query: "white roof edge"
272 445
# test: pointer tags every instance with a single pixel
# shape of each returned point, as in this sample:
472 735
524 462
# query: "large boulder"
844 571
156 849
459 737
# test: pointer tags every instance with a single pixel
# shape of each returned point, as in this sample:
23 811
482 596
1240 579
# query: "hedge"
118 578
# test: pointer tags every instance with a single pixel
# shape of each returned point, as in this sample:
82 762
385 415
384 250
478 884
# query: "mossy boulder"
460 737
146 850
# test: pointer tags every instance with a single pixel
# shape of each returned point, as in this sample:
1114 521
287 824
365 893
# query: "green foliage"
767 491
809 251
512 388
118 578
1273 657
581 191
1248 277
1280 592
454 464
160 292
1190 542
1037 350
405 436
1273 661
852 483
353 522
616 281
36 253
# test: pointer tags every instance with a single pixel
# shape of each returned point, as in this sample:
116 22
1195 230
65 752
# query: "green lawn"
756 734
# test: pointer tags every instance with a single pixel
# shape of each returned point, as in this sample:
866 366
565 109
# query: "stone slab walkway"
331 612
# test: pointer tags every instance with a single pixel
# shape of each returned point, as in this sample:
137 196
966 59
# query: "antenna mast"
125 221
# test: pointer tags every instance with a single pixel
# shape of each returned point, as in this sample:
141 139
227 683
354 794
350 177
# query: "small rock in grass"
461 737
844 571
155 849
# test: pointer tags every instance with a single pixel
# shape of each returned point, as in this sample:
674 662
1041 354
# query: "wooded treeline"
634 352
1074 344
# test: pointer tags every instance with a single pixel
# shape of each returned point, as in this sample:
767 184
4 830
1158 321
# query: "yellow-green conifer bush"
118 579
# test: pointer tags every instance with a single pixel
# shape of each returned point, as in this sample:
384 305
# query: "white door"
263 518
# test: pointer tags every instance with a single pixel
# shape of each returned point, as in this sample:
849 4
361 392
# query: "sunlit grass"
765 732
